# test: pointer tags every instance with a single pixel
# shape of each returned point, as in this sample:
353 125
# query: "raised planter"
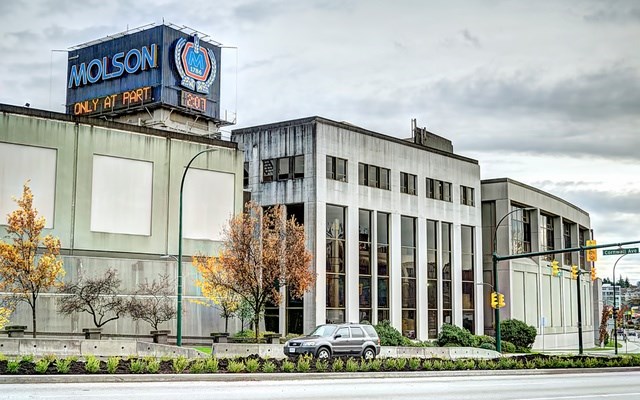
160 337
92 333
220 337
272 338
15 331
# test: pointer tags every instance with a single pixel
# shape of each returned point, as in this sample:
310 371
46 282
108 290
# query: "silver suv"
336 340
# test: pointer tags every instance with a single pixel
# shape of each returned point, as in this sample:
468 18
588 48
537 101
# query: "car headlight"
308 343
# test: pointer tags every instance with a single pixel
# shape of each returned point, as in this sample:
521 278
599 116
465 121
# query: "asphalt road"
574 386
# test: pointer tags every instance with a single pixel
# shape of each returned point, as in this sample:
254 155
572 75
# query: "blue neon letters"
100 69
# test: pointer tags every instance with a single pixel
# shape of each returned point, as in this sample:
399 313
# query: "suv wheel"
323 353
369 353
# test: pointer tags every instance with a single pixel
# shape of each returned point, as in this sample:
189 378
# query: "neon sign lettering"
114 101
98 69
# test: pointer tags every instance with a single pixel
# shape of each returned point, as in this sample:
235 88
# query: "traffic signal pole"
579 298
496 258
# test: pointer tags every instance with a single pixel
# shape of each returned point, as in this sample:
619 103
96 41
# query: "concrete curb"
228 377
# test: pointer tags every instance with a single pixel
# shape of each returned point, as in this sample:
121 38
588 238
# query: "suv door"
341 344
357 340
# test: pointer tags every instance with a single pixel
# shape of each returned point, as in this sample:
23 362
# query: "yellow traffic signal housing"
555 268
494 300
574 272
592 254
501 300
594 274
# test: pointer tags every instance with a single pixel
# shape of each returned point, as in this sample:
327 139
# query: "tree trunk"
33 315
256 320
226 323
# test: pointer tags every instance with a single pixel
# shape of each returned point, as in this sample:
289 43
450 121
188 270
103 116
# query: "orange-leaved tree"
23 272
226 300
262 253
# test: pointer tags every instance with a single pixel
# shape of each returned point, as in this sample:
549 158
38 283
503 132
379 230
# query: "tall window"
336 169
468 258
520 231
373 176
364 280
447 293
566 239
439 190
294 316
408 183
245 176
583 242
383 266
467 196
546 235
335 264
408 241
432 278
283 168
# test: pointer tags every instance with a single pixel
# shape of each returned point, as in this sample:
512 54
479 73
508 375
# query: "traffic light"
555 268
501 300
592 254
494 300
574 272
594 275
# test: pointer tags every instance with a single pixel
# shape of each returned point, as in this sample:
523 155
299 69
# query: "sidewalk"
628 347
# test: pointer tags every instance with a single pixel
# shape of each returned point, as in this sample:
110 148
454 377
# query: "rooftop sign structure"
152 67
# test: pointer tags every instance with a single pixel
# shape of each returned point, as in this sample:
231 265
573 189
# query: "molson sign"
146 69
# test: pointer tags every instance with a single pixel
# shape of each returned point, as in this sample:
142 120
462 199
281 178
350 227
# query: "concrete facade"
318 192
110 193
531 293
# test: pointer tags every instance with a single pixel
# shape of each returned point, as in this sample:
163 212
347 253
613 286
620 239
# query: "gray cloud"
469 38
614 15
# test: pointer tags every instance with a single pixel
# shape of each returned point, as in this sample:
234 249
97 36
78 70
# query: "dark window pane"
467 296
331 173
268 169
373 176
362 174
383 292
446 295
408 262
335 256
341 170
283 168
335 291
364 292
446 317
298 167
433 323
383 260
409 323
446 191
295 320
364 225
335 222
383 228
408 293
468 321
432 294
245 176
364 259
383 315
407 226
335 316
384 179
365 315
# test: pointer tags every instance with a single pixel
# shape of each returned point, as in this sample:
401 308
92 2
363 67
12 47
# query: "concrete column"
421 279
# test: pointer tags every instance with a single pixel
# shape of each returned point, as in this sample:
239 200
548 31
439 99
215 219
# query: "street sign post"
617 252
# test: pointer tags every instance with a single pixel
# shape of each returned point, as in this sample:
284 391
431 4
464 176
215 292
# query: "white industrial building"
393 225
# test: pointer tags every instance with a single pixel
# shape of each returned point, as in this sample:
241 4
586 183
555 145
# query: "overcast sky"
543 92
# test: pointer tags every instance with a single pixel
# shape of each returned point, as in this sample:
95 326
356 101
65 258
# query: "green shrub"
375 364
338 365
288 366
456 336
303 364
13 366
322 365
153 366
352 365
137 366
488 346
235 366
179 364
3 357
252 365
390 364
198 366
401 363
50 357
212 365
92 364
365 365
27 358
269 367
63 365
414 363
518 333
389 336
508 347
42 365
112 364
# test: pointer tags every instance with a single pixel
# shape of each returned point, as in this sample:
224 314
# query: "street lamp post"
179 322
495 273
615 309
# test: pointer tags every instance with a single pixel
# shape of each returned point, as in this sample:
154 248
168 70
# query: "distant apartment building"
394 225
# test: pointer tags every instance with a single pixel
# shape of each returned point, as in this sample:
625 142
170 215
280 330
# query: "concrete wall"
136 257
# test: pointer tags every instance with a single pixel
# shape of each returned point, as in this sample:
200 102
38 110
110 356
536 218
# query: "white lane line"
584 396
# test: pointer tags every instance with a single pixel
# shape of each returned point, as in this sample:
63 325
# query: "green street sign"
616 252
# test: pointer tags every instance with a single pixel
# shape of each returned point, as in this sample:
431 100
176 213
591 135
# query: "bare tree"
152 302
98 297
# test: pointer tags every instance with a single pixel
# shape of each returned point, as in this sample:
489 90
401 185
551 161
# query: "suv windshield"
324 330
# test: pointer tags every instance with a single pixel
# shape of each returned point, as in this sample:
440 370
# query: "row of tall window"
521 230
336 271
373 176
439 190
